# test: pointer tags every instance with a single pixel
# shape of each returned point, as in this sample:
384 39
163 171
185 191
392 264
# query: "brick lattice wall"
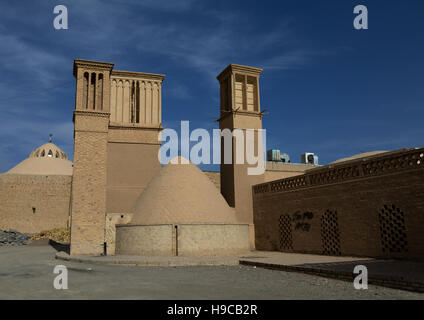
367 207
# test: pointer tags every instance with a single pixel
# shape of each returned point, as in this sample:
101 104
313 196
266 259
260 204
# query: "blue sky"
328 88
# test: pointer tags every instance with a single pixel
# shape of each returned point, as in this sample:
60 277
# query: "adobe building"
117 125
118 199
35 194
117 120
367 205
182 213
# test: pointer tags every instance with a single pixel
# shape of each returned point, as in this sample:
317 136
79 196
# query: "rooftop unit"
275 155
309 158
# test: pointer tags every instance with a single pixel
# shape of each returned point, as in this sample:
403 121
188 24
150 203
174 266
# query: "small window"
57 154
50 154
43 153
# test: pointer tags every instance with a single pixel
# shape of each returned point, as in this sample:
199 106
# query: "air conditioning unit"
276 155
273 155
309 158
284 157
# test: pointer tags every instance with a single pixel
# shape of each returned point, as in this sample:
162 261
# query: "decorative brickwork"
379 201
286 184
286 240
330 234
392 230
390 162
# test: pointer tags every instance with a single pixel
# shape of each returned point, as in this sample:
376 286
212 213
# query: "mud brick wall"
34 203
368 207
89 183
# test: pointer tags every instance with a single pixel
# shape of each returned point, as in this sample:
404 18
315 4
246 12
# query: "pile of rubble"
14 238
60 235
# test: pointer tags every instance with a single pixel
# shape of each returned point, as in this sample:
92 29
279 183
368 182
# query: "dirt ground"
27 273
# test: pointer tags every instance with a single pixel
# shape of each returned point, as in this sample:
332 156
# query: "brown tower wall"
89 184
117 122
91 120
133 137
240 109
130 168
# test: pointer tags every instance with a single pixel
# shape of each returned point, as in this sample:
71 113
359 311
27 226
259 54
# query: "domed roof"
45 160
48 150
359 155
181 193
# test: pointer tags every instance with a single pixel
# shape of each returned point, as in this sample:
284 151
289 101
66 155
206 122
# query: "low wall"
182 239
153 240
34 203
212 239
113 219
281 170
366 207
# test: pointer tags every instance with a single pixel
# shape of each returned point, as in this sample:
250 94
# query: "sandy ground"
27 273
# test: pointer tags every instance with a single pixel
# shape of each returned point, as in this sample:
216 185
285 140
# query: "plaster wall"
182 239
34 203
130 167
148 240
113 219
212 239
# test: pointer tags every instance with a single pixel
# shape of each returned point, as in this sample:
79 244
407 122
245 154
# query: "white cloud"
39 58
28 61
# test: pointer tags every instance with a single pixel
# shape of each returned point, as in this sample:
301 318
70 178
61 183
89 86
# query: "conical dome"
181 193
45 160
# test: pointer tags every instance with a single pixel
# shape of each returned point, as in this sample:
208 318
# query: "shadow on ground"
64 247
60 246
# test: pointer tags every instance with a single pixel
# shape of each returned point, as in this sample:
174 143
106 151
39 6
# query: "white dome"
48 150
45 160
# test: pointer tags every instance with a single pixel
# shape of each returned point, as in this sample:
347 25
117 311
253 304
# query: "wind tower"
91 120
117 122
240 109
